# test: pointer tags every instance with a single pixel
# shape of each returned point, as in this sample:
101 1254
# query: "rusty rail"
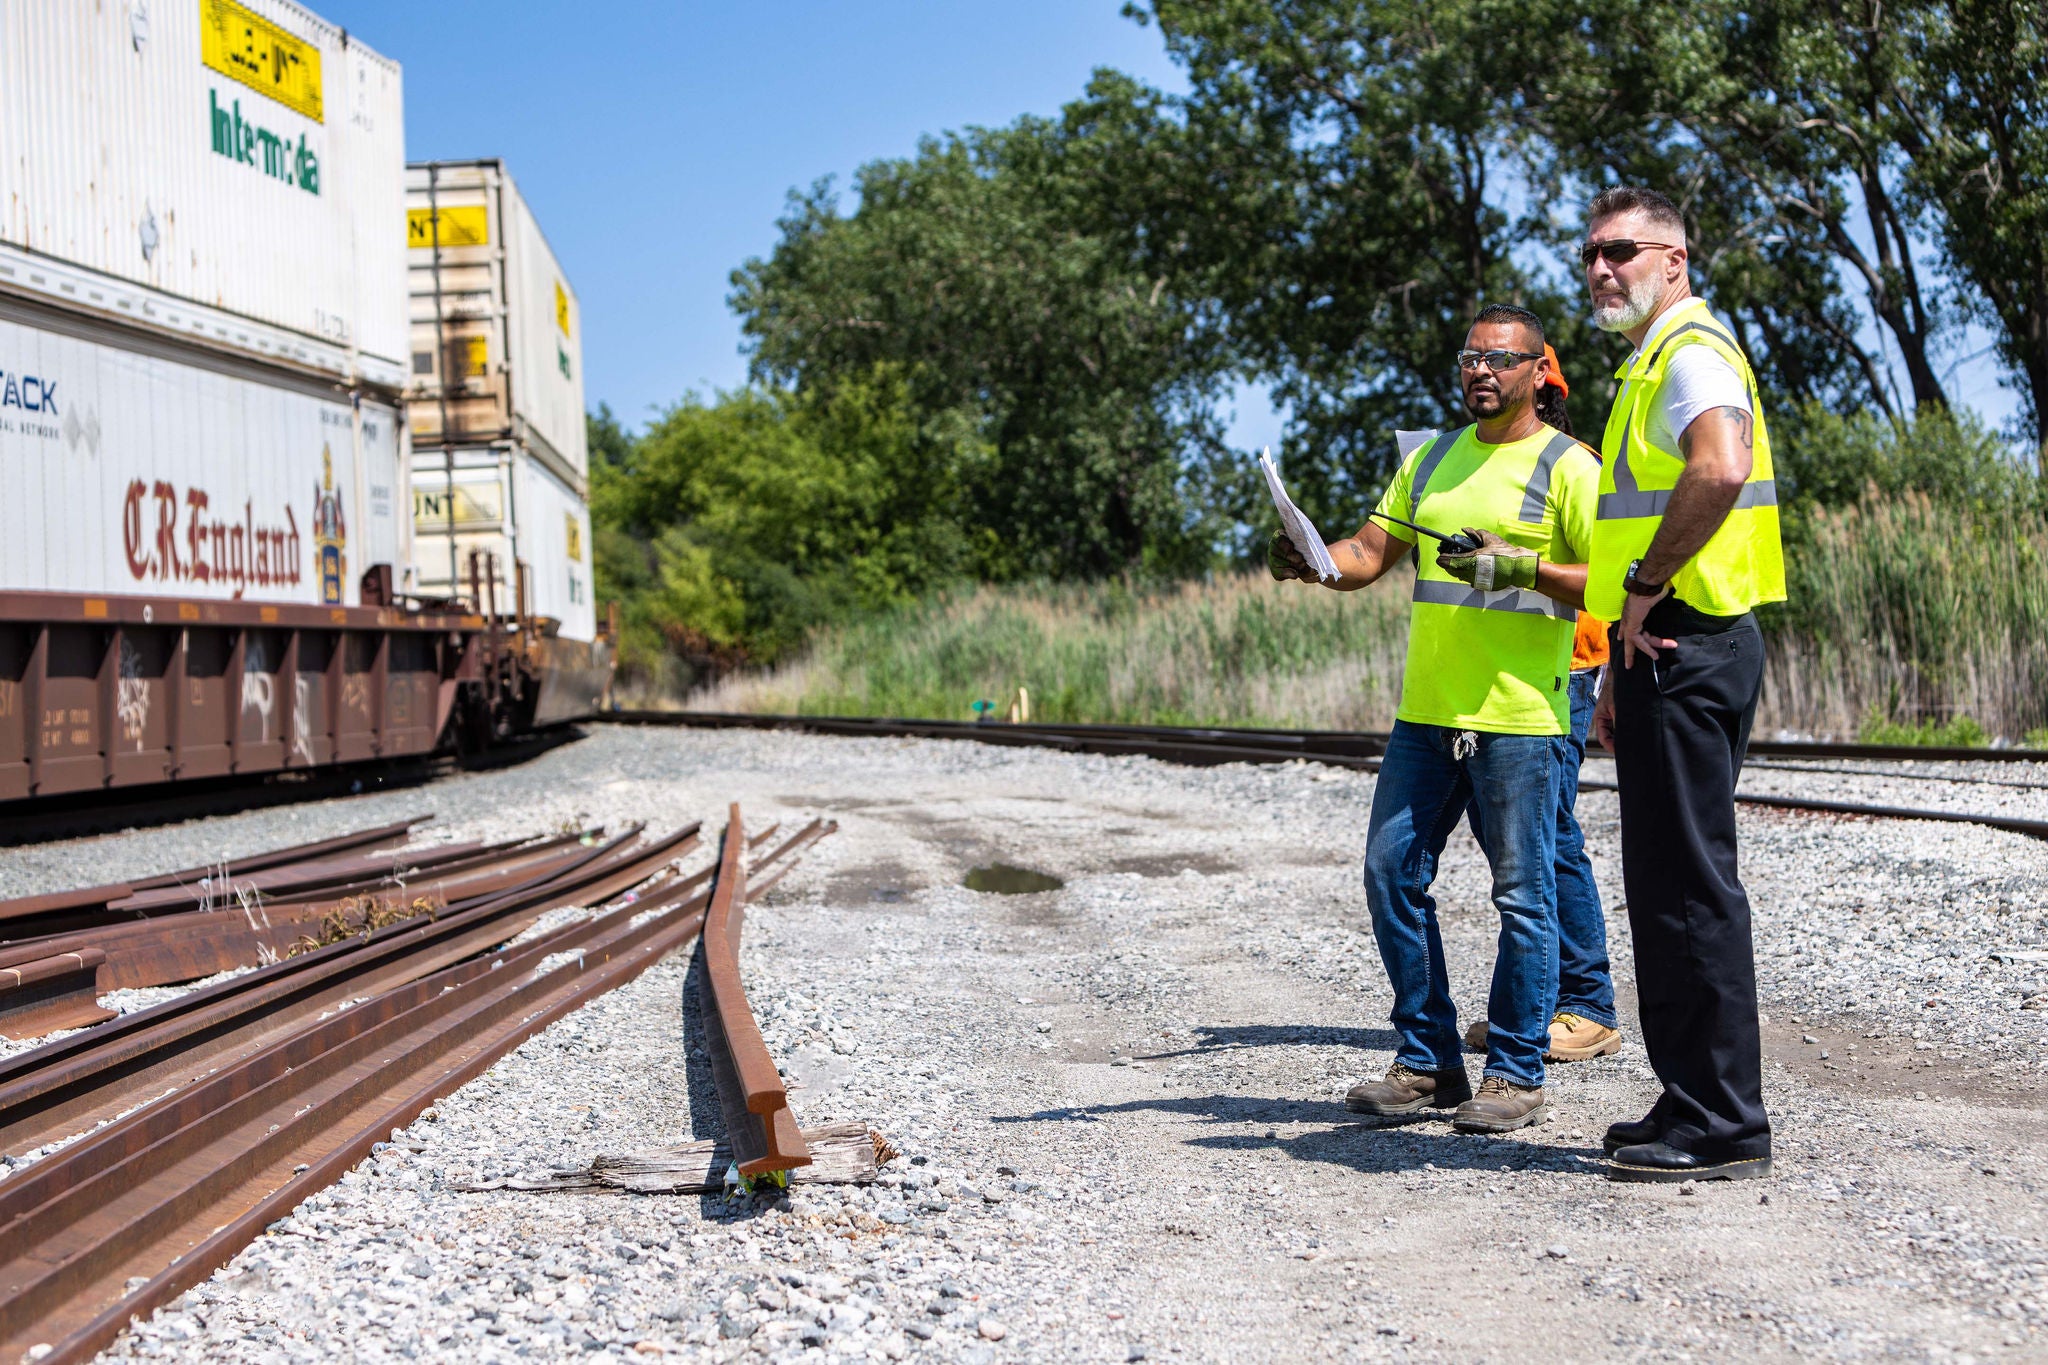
141 1208
761 1131
84 902
185 946
77 1080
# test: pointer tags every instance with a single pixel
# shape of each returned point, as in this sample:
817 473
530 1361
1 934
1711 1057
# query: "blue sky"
656 142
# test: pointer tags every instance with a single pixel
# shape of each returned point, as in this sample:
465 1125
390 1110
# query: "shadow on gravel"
1393 1145
1406 1147
1212 1038
707 1120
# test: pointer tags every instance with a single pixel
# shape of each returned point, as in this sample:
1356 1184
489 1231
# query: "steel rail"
55 1090
134 1213
1330 748
1364 743
759 1127
96 897
190 944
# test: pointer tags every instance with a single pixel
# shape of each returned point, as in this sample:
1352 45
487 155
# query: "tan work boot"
1574 1038
1501 1106
1475 1035
1406 1090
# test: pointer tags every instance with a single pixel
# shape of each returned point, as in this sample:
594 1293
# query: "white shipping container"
497 335
134 468
507 504
228 170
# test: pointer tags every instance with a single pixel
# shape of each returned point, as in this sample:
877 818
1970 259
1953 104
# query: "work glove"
1494 565
1284 561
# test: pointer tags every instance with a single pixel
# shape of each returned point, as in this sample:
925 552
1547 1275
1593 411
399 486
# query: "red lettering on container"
215 551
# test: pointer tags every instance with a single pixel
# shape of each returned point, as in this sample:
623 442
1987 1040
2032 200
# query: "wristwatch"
1636 585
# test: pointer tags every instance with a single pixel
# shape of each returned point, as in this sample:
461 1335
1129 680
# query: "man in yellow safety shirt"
1685 545
1482 719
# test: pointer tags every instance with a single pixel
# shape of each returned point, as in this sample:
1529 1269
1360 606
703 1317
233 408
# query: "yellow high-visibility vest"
1744 563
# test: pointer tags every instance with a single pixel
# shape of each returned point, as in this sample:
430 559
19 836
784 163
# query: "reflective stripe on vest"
1620 506
1519 600
1538 491
1439 446
1742 564
1627 501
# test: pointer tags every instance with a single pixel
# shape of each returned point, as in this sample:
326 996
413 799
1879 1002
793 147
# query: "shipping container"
140 467
497 349
513 508
226 171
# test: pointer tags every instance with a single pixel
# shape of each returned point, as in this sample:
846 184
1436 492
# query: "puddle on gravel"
1005 880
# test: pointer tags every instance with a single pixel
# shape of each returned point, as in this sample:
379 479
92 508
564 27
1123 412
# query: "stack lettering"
28 393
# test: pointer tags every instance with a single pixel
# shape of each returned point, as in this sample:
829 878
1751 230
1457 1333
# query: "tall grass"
1909 618
1237 649
1908 612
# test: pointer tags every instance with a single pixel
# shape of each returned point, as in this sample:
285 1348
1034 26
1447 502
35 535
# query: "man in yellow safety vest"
1684 546
1483 720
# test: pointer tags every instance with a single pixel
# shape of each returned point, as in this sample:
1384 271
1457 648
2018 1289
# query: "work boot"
1631 1134
1655 1163
1501 1106
1406 1090
1475 1036
1575 1038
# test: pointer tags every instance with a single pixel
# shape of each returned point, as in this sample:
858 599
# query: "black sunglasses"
1497 361
1620 251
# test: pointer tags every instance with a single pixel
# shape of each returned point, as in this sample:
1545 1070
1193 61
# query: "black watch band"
1633 584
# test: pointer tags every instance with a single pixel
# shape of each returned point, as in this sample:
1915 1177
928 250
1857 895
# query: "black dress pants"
1681 729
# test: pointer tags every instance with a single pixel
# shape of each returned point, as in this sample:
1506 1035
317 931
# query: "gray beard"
1642 301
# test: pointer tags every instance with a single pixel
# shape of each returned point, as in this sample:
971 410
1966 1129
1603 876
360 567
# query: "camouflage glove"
1494 565
1284 561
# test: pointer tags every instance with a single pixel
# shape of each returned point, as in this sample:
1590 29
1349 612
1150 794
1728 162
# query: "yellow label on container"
575 538
461 225
474 505
561 308
244 46
472 356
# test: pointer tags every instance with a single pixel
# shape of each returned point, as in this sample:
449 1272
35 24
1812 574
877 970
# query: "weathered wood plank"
841 1154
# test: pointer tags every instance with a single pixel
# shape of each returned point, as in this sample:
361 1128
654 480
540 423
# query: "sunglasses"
1620 251
1497 361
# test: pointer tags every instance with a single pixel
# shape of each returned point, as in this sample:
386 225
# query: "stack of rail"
208 1116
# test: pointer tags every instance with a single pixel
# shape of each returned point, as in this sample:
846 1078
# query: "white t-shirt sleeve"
1697 379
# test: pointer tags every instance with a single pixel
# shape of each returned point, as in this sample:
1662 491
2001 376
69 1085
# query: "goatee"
1631 314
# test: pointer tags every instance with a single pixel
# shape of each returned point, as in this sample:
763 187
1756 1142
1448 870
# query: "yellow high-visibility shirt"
1494 661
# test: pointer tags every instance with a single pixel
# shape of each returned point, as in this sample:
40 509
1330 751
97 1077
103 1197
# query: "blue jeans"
1423 790
1585 985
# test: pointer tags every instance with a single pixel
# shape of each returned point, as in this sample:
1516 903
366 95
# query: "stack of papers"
1294 523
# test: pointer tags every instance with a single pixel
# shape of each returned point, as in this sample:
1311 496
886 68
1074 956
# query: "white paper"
1408 442
1295 523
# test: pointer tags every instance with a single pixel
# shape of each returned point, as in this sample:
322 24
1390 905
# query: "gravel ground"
1120 1098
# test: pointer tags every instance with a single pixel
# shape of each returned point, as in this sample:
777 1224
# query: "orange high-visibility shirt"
1589 643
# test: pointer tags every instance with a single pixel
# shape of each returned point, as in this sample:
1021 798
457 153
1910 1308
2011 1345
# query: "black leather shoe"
1655 1163
1627 1134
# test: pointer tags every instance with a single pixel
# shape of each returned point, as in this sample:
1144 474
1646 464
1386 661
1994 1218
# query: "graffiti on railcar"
131 697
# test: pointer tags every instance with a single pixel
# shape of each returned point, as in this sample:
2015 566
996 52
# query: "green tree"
1074 388
1343 174
1974 109
731 528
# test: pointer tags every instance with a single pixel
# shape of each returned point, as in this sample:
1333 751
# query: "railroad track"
209 1116
1344 749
